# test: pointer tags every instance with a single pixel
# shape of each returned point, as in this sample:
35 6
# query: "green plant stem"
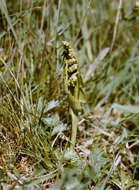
74 118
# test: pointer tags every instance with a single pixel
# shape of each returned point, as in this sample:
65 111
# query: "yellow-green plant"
72 86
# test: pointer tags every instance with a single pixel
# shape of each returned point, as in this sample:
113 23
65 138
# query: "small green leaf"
72 156
59 128
51 105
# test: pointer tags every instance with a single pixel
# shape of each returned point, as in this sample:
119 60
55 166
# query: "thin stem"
116 24
74 128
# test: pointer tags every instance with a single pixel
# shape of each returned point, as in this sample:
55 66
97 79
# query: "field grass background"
35 125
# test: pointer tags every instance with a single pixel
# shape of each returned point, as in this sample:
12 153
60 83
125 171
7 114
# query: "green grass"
35 125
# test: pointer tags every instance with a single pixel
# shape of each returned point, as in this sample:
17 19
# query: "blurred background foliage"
35 126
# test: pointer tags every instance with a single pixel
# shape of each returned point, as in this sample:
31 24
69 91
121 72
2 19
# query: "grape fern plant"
72 86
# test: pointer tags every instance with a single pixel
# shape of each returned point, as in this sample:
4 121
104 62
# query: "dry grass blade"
116 23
